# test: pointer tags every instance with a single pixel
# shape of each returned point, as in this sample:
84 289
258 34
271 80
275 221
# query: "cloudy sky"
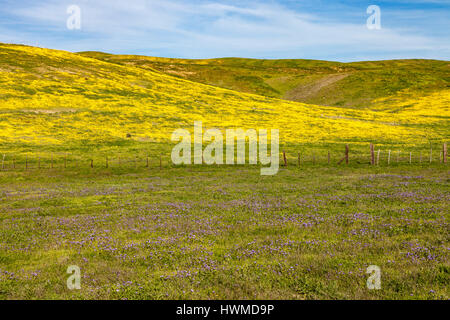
315 29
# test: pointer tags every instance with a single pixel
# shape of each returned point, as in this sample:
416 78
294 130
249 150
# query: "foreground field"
226 233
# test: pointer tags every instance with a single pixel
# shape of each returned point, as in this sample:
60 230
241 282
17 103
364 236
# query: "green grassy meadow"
221 232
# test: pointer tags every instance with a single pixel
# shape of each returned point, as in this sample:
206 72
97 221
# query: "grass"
306 233
356 85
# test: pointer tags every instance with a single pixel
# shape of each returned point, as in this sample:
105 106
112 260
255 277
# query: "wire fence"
375 157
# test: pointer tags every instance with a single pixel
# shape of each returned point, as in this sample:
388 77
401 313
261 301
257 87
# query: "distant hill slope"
354 85
59 101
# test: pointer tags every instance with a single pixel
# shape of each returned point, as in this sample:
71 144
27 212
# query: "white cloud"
213 29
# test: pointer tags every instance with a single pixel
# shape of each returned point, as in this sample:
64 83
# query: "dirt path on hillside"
305 91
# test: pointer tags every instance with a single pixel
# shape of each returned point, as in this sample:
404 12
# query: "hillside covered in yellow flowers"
57 101
357 85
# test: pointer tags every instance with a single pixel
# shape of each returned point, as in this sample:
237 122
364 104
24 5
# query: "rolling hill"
57 101
354 85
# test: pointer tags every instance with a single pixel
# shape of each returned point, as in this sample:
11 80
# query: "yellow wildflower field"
63 101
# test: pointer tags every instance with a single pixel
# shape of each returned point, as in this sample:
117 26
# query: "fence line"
374 158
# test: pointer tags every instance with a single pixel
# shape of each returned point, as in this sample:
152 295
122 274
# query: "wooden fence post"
147 162
410 157
378 157
14 162
299 159
444 149
420 158
39 163
107 164
372 154
65 161
51 162
284 158
431 155
92 163
314 158
329 158
389 157
346 153
345 158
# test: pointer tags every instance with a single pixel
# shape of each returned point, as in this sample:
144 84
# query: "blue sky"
319 29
